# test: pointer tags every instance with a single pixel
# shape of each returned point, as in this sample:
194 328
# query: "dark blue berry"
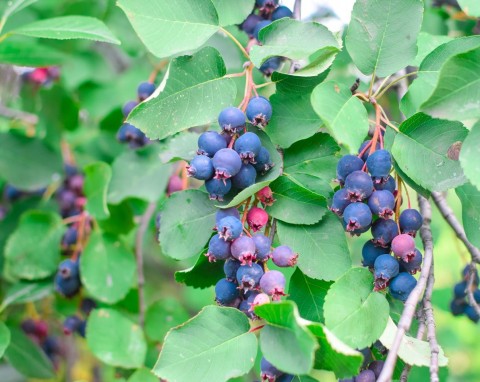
222 213
245 177
128 132
280 12
466 274
248 147
376 367
384 231
231 120
81 330
359 186
245 308
87 305
200 167
366 154
249 276
340 201
249 24
218 188
128 107
230 269
410 221
271 65
346 165
262 246
28 326
357 216
414 265
145 90
218 249
285 378
382 203
458 306
370 252
379 165
460 290
268 371
259 111
210 142
70 237
260 26
389 185
67 279
71 324
283 256
365 376
263 164
227 163
230 228
243 249
226 292
385 268
472 314
401 286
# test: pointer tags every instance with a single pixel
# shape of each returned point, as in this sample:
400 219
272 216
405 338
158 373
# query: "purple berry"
284 256
227 163
218 188
263 164
230 269
370 252
340 201
382 203
258 299
245 177
71 324
232 119
128 107
385 268
262 24
272 283
226 292
410 221
262 246
243 249
281 12
389 185
376 367
348 164
365 376
249 24
401 286
357 216
379 165
248 146
384 231
403 247
218 249
259 110
28 326
200 167
230 228
248 276
269 372
222 213
70 237
414 265
210 142
359 186
145 90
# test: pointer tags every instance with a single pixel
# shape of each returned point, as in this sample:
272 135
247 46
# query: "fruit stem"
245 210
81 236
237 43
364 150
398 201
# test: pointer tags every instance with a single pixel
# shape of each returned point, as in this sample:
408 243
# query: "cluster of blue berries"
265 12
226 162
127 132
459 305
367 201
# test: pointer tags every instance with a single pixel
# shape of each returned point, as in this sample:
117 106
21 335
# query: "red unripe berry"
41 329
403 246
257 218
265 195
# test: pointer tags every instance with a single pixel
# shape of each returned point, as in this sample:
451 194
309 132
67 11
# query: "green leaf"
115 340
143 375
356 315
97 178
215 345
470 7
322 248
27 357
68 27
138 174
295 204
40 165
288 84
427 43
16 6
309 295
310 42
29 53
344 115
412 350
107 268
163 315
231 13
120 220
456 94
194 94
181 146
470 197
23 291
429 141
333 354
202 274
188 218
285 341
168 28
4 338
382 36
469 155
33 250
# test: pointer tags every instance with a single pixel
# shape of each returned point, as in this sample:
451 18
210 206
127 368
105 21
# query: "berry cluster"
459 305
367 201
37 330
228 160
265 12
248 282
128 133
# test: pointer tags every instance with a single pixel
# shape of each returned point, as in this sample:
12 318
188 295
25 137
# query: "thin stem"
263 85
381 85
471 288
245 210
145 219
237 43
397 80
30 119
370 89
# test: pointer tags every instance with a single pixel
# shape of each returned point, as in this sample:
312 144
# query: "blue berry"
222 213
230 269
359 186
128 107
67 279
263 164
460 290
283 256
268 371
385 268
262 24
357 216
384 231
129 133
245 308
71 324
70 237
370 252
87 305
226 292
231 120
389 185
401 286
472 314
243 249
259 111
414 265
248 147
272 283
229 228
379 165
200 167
210 142
249 24
340 201
376 366
285 378
262 246
218 249
245 177
227 163
410 221
271 65
249 276
382 203
145 90
348 164
280 12
218 188
466 274
458 306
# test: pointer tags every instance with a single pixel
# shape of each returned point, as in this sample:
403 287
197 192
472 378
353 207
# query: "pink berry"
259 299
174 184
272 283
284 256
403 247
265 195
257 218
243 249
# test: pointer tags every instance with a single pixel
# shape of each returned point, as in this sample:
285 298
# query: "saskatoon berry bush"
214 190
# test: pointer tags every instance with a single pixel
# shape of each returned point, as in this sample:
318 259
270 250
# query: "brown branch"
144 221
420 333
28 118
411 303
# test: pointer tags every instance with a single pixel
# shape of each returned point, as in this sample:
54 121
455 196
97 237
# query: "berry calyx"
357 216
382 203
